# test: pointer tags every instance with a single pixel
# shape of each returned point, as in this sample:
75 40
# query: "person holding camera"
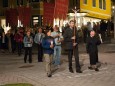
28 42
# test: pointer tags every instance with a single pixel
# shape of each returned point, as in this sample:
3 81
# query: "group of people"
104 28
49 47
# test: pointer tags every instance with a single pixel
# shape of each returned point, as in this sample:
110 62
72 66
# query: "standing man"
71 46
57 49
38 40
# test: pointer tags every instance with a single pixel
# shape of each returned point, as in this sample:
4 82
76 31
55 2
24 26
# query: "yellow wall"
96 11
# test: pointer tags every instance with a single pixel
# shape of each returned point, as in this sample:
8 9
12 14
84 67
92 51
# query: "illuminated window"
35 20
94 3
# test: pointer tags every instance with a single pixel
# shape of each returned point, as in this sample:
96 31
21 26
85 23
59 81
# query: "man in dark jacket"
72 46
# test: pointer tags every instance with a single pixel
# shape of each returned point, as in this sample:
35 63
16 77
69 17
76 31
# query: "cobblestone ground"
13 70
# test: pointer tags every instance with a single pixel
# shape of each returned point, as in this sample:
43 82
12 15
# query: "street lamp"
113 7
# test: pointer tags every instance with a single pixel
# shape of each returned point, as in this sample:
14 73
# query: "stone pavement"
13 70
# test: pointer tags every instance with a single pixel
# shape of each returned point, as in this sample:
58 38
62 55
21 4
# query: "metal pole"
114 22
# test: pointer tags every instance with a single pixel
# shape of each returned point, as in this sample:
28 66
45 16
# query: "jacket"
92 43
36 39
46 42
68 34
18 37
28 41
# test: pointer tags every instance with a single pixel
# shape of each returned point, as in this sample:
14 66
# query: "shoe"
96 69
49 75
78 71
90 68
71 70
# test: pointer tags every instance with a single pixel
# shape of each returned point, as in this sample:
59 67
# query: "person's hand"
51 46
58 35
30 40
74 44
73 37
58 41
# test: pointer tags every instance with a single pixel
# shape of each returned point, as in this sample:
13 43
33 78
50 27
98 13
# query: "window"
35 20
100 4
35 0
19 2
104 4
5 3
85 1
94 3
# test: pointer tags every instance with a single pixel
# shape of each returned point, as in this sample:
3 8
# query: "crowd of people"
49 44
104 28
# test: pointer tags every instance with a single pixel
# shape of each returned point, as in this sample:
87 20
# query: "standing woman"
48 50
28 42
19 40
92 49
38 40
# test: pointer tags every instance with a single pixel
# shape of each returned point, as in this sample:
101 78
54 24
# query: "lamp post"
113 12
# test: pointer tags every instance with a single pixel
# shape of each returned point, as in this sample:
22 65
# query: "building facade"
36 5
94 10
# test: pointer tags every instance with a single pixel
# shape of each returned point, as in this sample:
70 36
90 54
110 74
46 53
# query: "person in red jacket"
19 40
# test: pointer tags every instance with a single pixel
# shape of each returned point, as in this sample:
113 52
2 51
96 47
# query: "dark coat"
46 42
92 43
4 45
68 34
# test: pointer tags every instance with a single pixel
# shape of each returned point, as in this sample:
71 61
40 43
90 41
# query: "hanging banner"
61 9
11 17
48 14
24 15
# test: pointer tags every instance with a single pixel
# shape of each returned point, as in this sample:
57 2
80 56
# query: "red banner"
61 9
11 17
24 14
48 15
